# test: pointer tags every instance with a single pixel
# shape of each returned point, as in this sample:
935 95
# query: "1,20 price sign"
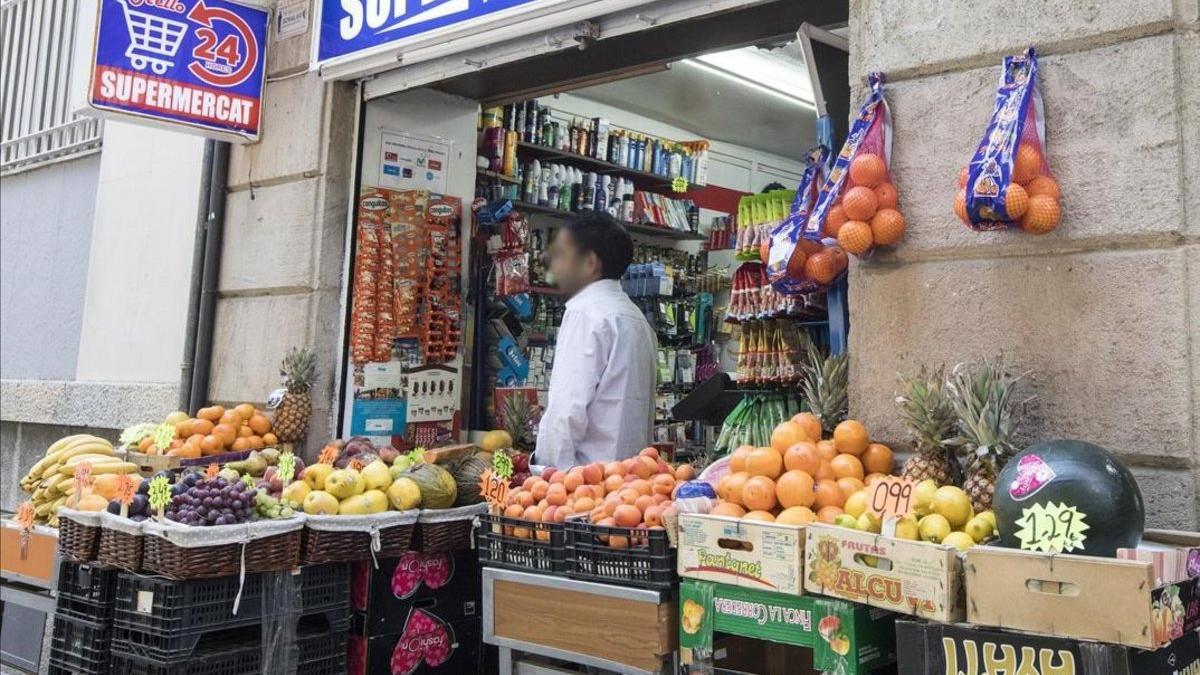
891 497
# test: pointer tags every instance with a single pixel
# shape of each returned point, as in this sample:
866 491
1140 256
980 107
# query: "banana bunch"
50 482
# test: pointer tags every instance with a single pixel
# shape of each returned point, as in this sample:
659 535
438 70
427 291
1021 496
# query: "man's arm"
579 360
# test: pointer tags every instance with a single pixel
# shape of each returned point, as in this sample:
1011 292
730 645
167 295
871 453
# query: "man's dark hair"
597 232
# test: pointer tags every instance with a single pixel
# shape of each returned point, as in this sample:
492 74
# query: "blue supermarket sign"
354 27
198 63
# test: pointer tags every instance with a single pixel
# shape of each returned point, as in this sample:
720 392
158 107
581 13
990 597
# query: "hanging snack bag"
789 249
1008 183
859 204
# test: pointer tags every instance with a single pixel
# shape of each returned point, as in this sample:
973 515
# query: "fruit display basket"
352 538
183 616
542 549
121 543
85 591
78 534
79 646
646 561
446 530
185 552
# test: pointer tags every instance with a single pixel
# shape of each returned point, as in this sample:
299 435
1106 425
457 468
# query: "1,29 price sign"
891 497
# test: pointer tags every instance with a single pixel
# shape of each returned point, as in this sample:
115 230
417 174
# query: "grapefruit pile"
801 477
866 214
1032 199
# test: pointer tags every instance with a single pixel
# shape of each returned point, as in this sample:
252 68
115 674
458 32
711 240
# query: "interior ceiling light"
769 74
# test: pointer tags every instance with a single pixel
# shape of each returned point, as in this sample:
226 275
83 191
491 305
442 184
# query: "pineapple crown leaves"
926 408
824 385
298 369
988 415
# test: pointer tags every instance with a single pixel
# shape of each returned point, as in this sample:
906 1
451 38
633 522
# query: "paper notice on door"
411 162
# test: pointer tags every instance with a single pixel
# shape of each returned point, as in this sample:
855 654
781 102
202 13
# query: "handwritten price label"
25 516
891 497
1051 528
356 464
159 495
212 470
82 481
493 488
328 455
679 184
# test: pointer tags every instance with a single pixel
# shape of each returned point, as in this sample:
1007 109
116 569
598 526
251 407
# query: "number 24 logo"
226 50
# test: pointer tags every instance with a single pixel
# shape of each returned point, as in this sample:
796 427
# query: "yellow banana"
53 451
106 467
53 480
91 448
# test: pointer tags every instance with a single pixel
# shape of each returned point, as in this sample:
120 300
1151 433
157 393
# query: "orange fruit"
849 486
212 413
733 487
963 175
796 515
868 169
840 260
786 434
860 203
850 437
826 449
764 516
685 472
878 459
827 493
795 265
872 477
960 206
812 425
795 488
825 471
259 423
802 457
211 444
834 220
847 466
888 197
759 494
1015 201
1042 216
737 460
231 418
1027 164
828 514
244 431
855 236
887 227
240 444
270 439
728 509
820 268
202 427
226 433
1042 185
764 462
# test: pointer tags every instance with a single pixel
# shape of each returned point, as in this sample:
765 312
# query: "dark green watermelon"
1080 475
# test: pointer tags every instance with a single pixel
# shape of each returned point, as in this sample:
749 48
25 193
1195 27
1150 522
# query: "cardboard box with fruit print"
910 577
845 637
754 554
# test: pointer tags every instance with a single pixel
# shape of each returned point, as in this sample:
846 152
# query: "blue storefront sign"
197 63
355 27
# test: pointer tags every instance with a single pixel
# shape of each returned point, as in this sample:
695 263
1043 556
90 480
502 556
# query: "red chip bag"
1008 183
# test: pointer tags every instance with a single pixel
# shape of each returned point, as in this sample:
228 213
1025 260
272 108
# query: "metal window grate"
37 40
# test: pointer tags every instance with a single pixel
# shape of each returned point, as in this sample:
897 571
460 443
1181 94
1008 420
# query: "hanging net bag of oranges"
858 205
788 249
1008 182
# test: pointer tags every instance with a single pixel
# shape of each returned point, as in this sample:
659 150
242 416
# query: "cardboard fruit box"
910 577
966 650
1083 597
844 637
764 556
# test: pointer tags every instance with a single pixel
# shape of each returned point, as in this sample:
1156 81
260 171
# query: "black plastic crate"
184 608
79 646
646 561
543 551
85 591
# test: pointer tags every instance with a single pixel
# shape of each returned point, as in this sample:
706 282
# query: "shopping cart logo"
153 40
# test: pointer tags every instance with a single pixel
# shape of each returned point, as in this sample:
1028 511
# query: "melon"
1076 474
437 485
467 476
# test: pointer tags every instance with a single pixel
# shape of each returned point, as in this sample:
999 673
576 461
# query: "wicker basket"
78 535
121 543
250 547
353 538
446 530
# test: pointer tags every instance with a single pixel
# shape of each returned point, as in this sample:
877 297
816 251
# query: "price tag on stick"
159 496
891 497
212 470
328 455
494 489
1051 528
125 490
25 516
82 481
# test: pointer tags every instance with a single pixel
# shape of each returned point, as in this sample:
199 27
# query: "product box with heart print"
426 644
447 584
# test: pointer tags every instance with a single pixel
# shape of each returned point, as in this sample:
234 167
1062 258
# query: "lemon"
952 504
959 540
923 494
846 520
856 504
978 528
933 528
907 528
869 522
989 516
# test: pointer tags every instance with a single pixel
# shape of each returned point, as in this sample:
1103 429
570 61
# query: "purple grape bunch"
201 501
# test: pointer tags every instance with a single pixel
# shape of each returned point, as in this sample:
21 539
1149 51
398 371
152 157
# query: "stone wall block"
292 129
269 235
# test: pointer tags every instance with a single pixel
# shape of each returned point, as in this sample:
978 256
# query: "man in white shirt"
601 401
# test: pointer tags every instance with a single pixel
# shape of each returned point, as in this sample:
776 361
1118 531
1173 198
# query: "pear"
320 503
377 475
316 474
343 483
296 491
355 505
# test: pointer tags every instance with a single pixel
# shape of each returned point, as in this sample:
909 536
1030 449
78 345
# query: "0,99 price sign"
890 497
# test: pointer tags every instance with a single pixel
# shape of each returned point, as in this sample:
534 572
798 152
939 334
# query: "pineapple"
520 419
823 384
291 417
927 411
988 416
